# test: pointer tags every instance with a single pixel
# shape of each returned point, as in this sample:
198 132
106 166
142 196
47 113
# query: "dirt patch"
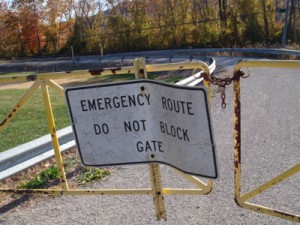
10 202
25 85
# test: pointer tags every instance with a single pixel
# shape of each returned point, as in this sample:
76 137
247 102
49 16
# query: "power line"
160 27
176 25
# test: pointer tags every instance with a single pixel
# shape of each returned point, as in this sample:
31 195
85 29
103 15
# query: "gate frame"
45 80
241 200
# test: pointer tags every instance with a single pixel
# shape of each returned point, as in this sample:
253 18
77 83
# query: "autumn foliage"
43 27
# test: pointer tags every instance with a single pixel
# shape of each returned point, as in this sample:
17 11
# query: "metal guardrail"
34 152
92 61
54 64
207 51
264 51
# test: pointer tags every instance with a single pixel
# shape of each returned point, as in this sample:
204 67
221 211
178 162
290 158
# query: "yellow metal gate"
46 80
241 199
140 69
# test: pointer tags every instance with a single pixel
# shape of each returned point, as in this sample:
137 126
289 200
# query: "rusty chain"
223 97
223 82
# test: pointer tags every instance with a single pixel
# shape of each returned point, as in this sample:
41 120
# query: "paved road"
41 65
270 144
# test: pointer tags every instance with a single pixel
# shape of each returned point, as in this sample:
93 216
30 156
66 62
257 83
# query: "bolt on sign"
143 121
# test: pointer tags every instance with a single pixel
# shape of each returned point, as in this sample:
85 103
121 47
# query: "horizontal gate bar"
166 191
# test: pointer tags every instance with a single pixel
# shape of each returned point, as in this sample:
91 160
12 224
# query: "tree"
266 23
57 26
11 39
223 12
30 13
31 27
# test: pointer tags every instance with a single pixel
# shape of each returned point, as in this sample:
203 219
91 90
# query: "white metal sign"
143 121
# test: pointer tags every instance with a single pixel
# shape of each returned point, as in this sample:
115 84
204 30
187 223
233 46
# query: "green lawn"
31 121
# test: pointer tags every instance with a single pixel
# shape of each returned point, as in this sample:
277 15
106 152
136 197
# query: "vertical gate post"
155 176
237 139
206 82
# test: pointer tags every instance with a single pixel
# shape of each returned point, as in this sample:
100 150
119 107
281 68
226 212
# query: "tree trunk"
283 41
223 11
266 24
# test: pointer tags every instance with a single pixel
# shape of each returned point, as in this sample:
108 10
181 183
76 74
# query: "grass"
113 78
86 175
90 174
124 77
17 73
42 179
31 121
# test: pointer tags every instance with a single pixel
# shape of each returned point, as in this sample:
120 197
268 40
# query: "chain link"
222 82
223 97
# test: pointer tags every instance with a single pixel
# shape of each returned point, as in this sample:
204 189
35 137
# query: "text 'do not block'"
143 121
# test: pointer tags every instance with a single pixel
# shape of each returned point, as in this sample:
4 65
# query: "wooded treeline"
43 27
